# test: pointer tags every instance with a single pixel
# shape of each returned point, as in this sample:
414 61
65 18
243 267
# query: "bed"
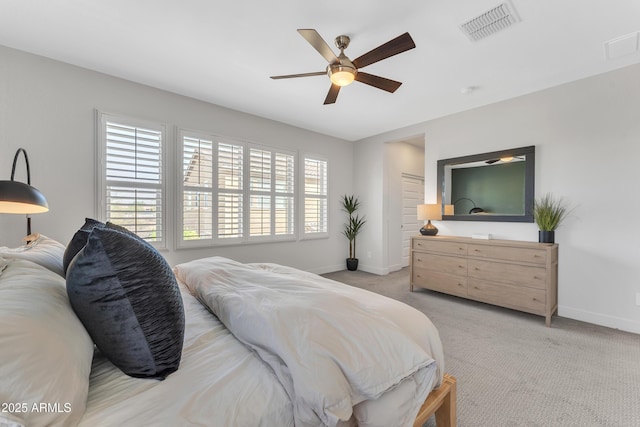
262 345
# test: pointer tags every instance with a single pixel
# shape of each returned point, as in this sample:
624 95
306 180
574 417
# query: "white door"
412 195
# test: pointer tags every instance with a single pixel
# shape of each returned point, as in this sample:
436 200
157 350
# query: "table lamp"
429 212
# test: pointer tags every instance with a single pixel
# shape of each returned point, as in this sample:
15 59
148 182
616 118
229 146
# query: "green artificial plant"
350 204
549 212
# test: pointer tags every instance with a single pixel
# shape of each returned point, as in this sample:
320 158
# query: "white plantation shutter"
259 192
271 192
230 190
315 196
284 194
132 185
197 182
212 190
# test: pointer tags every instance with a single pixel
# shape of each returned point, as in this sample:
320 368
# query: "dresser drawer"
442 263
511 296
434 245
508 253
522 275
442 282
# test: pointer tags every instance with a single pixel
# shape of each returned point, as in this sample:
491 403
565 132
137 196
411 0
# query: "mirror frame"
529 178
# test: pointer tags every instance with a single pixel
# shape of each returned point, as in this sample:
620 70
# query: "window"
227 191
315 197
271 192
234 191
131 182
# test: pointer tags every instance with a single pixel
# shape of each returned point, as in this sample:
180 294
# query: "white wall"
400 158
47 107
368 186
378 172
587 138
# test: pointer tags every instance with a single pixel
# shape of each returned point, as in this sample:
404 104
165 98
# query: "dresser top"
493 242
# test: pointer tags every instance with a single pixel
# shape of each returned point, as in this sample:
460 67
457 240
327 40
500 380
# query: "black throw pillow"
78 241
128 299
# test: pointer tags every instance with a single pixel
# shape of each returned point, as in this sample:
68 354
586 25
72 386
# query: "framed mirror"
495 186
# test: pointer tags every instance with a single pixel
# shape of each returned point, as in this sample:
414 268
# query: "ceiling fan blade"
377 81
332 95
320 45
398 45
290 76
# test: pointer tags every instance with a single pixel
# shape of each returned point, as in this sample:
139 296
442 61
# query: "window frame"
101 183
272 237
303 197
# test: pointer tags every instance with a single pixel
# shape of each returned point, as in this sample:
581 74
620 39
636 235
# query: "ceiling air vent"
490 22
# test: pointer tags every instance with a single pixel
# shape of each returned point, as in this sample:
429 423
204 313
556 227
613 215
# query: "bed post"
442 403
446 413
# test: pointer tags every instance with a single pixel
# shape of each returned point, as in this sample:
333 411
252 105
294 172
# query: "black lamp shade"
20 198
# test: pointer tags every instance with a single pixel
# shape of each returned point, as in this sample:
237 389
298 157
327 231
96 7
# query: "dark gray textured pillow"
78 241
128 299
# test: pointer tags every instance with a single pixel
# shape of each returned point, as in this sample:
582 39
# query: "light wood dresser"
518 275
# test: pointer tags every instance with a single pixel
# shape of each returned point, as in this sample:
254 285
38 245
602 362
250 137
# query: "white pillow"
45 352
43 250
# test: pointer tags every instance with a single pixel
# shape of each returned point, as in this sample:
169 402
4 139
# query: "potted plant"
350 204
548 213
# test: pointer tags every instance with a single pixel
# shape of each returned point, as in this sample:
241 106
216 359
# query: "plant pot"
546 236
352 264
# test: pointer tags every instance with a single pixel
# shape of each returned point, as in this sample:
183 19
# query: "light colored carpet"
514 371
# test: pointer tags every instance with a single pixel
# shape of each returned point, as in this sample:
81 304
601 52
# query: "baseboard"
362 267
328 268
395 267
600 319
373 270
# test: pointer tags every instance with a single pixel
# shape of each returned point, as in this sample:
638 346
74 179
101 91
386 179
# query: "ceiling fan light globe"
341 75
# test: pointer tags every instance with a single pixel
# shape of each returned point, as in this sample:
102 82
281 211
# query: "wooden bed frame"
442 402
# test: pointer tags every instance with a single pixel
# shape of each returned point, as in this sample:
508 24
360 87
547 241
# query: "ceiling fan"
506 159
342 71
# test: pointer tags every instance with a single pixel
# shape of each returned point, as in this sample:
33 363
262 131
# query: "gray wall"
587 137
48 108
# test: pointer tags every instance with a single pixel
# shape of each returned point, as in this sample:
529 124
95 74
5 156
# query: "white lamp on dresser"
429 212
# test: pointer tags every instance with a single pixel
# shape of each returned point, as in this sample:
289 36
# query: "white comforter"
220 383
334 348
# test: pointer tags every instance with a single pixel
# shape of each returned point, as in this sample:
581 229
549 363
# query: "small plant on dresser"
549 212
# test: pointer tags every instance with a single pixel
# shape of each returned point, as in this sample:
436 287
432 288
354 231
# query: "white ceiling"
223 52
